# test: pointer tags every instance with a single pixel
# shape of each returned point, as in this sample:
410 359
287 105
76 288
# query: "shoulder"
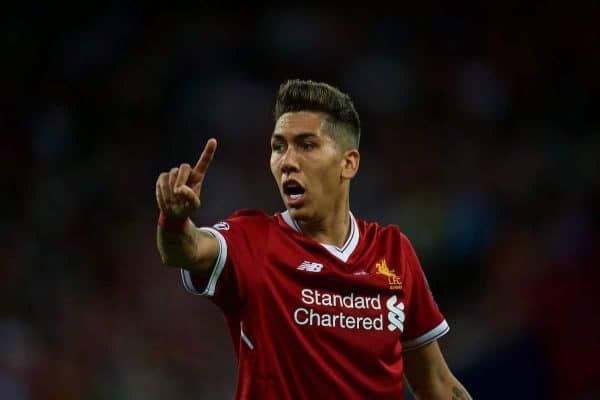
385 235
245 218
249 213
369 228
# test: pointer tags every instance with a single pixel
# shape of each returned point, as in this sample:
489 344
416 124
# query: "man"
318 303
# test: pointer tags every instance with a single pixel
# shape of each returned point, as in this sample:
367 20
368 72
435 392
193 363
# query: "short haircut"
342 121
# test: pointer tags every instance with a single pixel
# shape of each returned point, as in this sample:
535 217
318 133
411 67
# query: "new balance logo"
310 266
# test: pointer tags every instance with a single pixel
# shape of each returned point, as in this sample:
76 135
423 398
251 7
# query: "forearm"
183 248
429 377
442 389
459 392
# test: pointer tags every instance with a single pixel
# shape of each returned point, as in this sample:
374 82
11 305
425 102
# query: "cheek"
273 164
327 177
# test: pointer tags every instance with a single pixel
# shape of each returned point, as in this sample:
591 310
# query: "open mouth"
293 190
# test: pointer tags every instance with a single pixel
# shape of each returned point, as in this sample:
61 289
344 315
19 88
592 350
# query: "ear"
350 163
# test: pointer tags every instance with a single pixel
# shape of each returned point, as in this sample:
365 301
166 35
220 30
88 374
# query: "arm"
179 242
429 377
190 249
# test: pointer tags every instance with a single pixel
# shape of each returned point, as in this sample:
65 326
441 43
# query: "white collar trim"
343 253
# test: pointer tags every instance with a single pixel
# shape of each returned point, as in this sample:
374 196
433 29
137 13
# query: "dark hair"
305 95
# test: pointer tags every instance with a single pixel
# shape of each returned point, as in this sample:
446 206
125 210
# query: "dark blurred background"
480 140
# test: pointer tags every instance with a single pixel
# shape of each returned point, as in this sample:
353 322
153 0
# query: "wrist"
172 224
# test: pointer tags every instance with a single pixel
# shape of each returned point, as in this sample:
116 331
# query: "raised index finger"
206 157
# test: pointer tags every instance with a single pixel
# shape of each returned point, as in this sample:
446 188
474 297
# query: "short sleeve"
241 246
424 323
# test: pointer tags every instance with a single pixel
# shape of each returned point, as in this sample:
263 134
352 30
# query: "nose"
289 163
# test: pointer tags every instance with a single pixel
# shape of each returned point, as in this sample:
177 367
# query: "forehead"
295 123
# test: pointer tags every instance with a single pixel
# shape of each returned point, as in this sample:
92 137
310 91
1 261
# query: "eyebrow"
300 136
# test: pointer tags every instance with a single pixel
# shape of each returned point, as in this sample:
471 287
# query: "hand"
178 191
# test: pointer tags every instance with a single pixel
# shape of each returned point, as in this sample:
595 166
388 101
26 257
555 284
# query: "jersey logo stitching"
310 266
396 314
393 280
222 226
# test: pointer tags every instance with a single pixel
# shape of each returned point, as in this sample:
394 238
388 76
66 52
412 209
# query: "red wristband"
171 224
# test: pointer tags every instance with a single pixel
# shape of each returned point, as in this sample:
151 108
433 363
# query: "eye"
307 146
277 147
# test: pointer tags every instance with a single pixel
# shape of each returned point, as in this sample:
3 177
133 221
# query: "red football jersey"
310 320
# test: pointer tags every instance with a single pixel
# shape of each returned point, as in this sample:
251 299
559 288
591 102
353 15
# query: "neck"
332 229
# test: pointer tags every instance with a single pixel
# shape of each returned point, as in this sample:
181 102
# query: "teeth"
295 196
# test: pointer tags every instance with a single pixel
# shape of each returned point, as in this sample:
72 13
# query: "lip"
294 202
285 182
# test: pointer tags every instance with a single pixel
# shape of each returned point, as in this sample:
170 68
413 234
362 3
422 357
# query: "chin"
298 214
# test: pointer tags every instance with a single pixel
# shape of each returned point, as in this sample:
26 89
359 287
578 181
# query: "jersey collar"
342 253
